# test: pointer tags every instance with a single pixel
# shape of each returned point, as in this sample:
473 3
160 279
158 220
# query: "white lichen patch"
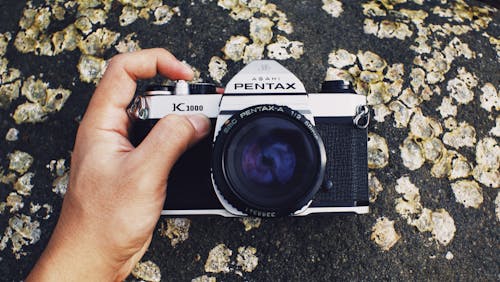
164 14
333 7
251 222
57 167
41 101
387 29
409 203
402 114
374 186
217 68
253 52
235 48
284 49
439 223
371 61
176 229
23 184
66 39
341 58
447 108
460 167
495 131
29 113
488 153
384 234
98 41
468 193
488 162
22 231
443 229
35 90
378 152
463 135
459 91
4 41
380 112
20 161
218 259
60 184
129 15
204 278
449 255
128 44
261 30
91 68
411 153
147 271
9 92
246 258
424 127
15 202
490 99
12 135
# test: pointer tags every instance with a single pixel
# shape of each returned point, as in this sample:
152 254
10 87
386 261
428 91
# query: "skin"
116 192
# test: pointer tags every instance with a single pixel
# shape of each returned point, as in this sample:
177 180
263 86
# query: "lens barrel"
268 161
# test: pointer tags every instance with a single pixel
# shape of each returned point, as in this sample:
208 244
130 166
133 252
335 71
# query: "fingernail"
200 123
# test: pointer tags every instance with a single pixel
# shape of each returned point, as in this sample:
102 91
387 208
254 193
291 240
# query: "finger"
166 142
116 89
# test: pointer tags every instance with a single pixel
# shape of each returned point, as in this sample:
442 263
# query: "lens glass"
271 160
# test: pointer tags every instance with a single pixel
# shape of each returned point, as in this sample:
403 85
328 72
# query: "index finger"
107 108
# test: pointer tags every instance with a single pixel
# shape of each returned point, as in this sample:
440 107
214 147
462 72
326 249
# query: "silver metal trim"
225 213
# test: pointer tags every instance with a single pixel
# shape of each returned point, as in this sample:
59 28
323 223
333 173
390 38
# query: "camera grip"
347 164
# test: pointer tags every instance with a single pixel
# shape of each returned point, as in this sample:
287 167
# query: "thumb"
165 143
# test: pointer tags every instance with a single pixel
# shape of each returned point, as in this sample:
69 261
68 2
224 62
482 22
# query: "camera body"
274 149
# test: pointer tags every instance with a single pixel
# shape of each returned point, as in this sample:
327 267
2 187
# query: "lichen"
217 68
176 229
251 222
20 161
246 258
218 259
384 234
378 152
147 271
333 7
468 193
374 186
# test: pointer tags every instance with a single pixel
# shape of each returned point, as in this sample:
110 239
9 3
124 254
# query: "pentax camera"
274 149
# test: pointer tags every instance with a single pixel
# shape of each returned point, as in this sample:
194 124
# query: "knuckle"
118 60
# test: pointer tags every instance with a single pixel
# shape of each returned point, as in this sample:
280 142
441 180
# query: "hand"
116 192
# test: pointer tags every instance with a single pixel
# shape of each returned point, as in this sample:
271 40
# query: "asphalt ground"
312 248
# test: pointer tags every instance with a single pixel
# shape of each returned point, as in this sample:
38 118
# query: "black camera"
274 150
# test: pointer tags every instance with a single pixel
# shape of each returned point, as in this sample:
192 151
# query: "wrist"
72 255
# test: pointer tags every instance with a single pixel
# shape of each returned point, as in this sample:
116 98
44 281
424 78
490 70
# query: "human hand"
116 192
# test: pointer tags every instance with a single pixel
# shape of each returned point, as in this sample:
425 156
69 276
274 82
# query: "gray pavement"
314 248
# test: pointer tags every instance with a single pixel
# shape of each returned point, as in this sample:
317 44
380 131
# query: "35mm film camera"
274 150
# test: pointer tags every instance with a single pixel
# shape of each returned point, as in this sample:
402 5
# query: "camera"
274 150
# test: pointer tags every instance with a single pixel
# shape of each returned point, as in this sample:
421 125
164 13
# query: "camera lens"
268 161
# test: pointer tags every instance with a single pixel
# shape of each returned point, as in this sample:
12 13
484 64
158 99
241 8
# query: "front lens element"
269 161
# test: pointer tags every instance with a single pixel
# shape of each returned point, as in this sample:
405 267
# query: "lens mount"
268 161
